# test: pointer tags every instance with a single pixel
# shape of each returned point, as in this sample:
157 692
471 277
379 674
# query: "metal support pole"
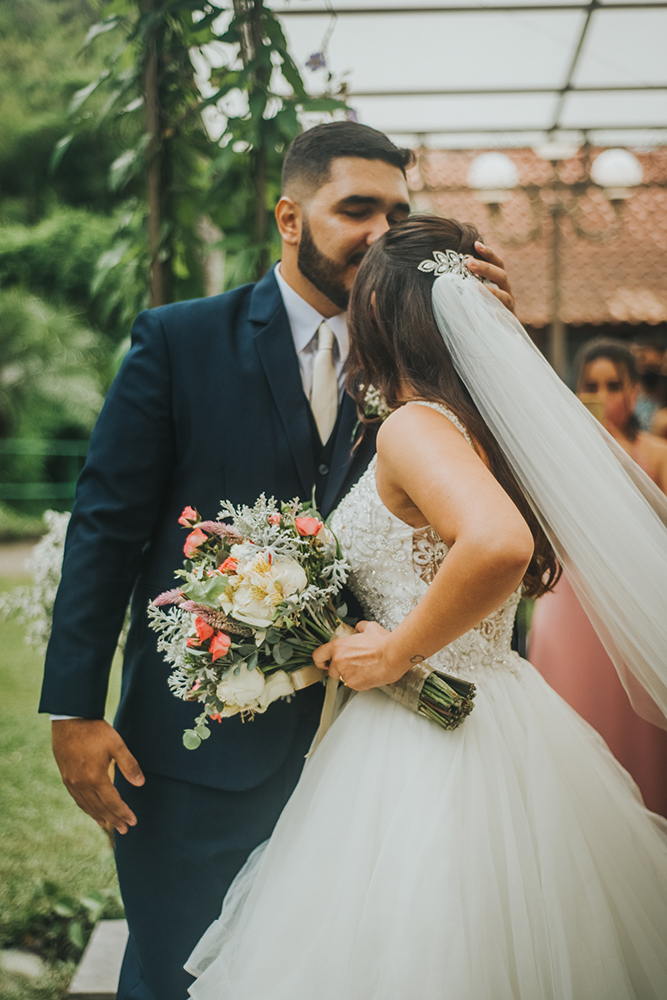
557 330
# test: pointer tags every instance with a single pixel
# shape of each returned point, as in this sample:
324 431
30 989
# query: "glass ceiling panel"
482 50
625 47
643 108
450 113
393 52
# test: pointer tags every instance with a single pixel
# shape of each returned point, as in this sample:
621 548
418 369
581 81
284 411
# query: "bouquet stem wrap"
442 698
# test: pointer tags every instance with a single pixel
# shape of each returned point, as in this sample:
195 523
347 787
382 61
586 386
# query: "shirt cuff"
59 718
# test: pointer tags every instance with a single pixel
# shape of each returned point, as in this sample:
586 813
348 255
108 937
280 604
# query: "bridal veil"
605 519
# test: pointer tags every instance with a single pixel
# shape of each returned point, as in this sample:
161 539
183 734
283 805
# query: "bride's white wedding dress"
510 859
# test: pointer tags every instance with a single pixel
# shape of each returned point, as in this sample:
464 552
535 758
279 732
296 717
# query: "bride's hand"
361 661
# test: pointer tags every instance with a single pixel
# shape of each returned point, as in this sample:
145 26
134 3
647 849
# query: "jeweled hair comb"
448 262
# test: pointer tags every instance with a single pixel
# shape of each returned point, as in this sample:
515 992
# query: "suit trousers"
176 864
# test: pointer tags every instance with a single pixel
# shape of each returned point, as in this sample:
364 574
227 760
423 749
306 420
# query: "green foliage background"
55 862
76 245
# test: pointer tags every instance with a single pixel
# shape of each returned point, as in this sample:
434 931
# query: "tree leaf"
108 24
59 151
84 93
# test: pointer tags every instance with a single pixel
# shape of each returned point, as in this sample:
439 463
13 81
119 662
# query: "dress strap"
446 412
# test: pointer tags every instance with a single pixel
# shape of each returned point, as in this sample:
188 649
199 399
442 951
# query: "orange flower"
188 516
216 717
229 565
193 541
220 644
204 630
307 525
274 518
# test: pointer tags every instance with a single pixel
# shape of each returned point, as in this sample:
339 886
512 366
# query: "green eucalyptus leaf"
215 588
286 652
191 740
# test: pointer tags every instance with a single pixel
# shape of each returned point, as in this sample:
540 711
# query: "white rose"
241 692
290 576
278 685
264 582
251 604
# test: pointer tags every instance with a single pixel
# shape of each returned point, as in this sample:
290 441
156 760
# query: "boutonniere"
374 407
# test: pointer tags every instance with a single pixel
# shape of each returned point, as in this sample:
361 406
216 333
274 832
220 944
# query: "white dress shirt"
304 322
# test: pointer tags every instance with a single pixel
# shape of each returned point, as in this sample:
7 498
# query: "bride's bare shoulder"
417 425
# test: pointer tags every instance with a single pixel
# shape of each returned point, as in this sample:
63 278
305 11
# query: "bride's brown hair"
396 340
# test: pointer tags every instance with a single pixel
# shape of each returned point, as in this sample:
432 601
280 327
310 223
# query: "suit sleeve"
117 501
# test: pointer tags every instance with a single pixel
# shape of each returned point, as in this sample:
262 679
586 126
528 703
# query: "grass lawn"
42 832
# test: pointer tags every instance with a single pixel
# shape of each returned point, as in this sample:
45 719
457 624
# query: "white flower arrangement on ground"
32 604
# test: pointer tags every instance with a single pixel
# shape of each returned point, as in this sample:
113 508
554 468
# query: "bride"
511 858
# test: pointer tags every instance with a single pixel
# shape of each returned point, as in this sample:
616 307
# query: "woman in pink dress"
563 644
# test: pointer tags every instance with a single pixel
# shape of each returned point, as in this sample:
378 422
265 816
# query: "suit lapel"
275 347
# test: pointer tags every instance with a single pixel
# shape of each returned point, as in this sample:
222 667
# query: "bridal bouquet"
258 593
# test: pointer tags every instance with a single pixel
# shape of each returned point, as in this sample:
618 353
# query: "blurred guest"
563 644
649 354
659 423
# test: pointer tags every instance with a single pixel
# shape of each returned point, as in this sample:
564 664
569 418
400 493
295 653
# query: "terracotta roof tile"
614 265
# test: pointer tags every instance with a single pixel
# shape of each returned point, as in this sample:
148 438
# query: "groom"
225 397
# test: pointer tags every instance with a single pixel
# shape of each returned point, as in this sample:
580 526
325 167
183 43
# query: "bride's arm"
428 473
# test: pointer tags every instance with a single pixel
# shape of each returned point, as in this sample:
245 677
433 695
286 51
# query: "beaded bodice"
392 564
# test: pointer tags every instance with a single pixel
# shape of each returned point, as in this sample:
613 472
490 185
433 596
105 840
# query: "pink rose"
307 525
188 517
274 518
193 541
220 644
229 565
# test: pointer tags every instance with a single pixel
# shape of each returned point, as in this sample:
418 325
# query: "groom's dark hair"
308 160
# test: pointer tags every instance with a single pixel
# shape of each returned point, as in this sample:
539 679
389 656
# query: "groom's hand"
492 267
84 750
360 660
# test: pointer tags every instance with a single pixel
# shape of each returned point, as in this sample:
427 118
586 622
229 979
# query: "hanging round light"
618 172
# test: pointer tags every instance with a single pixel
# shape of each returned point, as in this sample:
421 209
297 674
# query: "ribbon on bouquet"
306 676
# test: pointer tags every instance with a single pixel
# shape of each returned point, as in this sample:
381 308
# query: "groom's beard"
325 274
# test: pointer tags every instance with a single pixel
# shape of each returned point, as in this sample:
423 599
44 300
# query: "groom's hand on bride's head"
84 750
492 267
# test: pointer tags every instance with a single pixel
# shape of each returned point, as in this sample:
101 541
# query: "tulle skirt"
510 859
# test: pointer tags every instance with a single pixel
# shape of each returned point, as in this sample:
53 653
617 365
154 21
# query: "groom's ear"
288 217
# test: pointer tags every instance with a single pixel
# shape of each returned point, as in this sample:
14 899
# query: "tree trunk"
252 40
154 159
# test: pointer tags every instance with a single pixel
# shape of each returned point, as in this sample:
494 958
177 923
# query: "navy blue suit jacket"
208 404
